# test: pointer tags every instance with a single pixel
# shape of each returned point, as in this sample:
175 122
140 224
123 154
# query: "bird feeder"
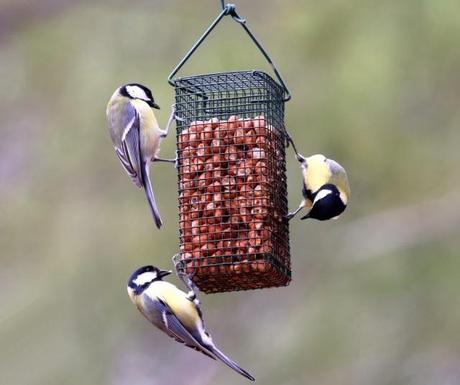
231 142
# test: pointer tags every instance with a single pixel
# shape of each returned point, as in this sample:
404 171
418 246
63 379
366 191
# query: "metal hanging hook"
229 9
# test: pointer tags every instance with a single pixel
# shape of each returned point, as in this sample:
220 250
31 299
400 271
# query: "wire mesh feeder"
232 181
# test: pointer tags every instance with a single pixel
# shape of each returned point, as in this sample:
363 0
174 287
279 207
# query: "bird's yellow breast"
184 309
317 173
149 129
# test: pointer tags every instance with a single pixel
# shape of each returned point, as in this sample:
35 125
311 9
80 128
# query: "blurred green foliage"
375 85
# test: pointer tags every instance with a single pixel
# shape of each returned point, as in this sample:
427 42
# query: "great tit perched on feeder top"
325 188
136 135
174 312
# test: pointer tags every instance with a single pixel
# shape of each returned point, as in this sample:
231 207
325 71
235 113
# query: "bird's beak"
164 273
154 105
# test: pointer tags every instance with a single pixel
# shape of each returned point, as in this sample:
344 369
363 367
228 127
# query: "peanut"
227 169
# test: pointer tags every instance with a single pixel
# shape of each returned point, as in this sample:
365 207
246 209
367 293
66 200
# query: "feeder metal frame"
230 9
250 248
234 234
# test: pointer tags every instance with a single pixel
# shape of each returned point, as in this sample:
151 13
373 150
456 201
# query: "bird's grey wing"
173 327
336 168
339 175
129 150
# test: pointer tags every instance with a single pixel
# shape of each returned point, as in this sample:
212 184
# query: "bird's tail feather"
227 361
150 197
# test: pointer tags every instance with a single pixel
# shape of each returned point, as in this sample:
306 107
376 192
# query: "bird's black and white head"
138 91
328 203
143 277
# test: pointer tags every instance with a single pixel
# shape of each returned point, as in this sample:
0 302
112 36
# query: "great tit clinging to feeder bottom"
325 188
136 135
174 312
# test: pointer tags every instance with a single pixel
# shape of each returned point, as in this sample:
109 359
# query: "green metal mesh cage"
232 181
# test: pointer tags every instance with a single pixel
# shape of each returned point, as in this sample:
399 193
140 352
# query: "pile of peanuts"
227 170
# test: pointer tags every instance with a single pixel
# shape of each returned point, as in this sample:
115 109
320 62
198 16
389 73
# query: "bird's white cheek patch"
321 194
144 278
137 92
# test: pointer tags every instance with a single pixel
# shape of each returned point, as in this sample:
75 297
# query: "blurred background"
374 296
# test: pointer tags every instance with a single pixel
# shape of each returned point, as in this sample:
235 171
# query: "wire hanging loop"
229 9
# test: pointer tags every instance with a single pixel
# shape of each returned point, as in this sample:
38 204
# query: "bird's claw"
288 139
178 118
176 161
185 278
156 159
193 290
178 267
300 158
176 260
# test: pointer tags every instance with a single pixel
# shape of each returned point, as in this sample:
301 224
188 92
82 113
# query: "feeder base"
235 276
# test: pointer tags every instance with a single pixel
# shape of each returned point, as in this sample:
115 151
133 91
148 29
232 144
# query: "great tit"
174 312
325 188
136 135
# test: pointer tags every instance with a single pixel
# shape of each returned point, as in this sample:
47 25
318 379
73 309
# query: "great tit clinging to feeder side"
136 135
174 312
325 188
